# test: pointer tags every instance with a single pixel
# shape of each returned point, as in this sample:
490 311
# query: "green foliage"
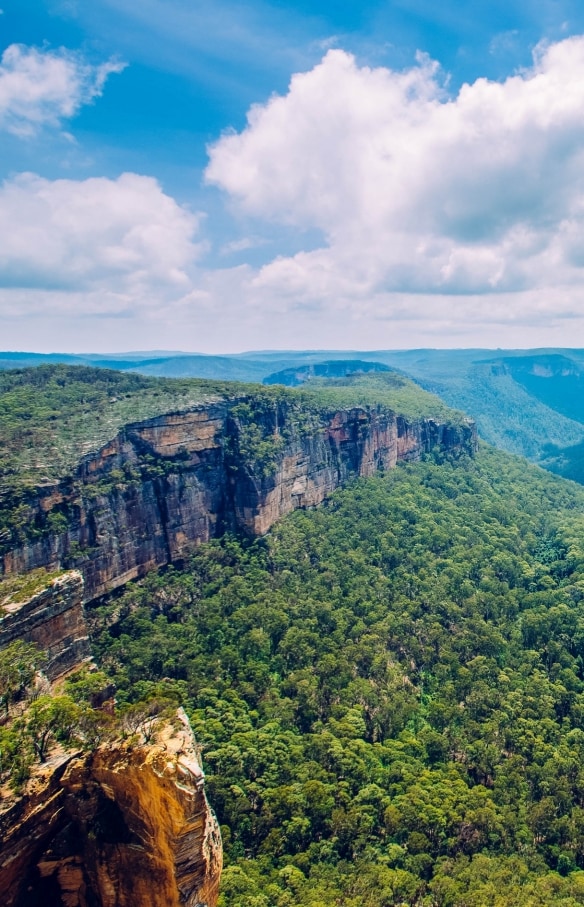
16 755
259 438
389 690
48 719
86 684
79 713
268 417
19 662
143 718
52 415
395 391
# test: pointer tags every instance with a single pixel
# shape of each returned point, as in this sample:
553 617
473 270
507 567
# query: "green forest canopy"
389 690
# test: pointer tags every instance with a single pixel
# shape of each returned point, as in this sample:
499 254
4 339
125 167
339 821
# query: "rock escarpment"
166 484
54 619
119 827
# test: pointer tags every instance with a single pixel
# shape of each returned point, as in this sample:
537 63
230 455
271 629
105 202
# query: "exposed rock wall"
356 442
119 827
191 482
54 619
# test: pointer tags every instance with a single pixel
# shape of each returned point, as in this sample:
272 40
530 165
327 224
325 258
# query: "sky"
219 177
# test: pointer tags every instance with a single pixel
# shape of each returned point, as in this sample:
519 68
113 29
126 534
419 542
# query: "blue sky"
219 177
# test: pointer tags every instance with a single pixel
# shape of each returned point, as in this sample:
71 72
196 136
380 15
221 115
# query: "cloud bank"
444 219
419 194
121 243
42 88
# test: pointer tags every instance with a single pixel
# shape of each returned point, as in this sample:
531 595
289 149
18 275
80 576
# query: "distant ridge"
334 368
529 402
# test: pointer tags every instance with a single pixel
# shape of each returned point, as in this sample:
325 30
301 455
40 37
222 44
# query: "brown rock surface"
191 482
120 827
54 619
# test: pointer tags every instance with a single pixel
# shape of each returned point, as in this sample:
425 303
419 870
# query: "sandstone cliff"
54 619
171 482
120 827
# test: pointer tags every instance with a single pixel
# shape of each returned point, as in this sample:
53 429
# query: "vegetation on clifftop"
76 713
19 588
53 415
394 391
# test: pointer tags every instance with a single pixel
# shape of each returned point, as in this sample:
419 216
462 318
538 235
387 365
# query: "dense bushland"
389 690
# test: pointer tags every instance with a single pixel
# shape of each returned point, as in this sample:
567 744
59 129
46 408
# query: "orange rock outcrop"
120 827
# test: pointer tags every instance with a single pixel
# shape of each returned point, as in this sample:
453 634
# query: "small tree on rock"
50 719
19 663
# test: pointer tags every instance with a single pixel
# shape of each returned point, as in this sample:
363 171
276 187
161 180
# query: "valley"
373 624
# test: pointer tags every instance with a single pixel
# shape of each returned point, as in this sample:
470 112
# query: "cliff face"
354 442
119 827
53 619
166 484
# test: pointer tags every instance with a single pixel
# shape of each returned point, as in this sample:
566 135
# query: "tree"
19 663
50 719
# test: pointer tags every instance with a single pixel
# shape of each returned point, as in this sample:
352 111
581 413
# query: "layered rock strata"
164 485
54 619
119 827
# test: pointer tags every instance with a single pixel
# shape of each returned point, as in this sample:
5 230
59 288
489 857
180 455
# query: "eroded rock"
54 619
120 827
162 486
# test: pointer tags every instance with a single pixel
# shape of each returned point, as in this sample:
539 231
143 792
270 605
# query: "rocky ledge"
54 619
119 827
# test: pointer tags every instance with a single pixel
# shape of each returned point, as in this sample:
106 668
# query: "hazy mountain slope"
522 402
507 415
558 381
565 461
214 367
336 368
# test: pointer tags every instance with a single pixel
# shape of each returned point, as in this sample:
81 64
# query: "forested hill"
54 414
113 474
529 402
389 690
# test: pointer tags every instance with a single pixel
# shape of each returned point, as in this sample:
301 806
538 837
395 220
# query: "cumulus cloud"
42 88
122 243
416 191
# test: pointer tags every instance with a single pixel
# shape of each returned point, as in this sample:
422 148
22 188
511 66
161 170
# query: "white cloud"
43 88
445 220
122 244
242 245
416 192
